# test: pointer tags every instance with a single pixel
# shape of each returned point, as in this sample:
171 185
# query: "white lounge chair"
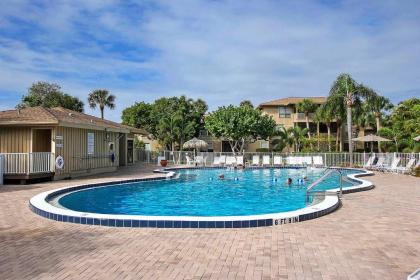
307 160
216 161
290 161
318 161
256 160
277 160
369 162
222 160
199 160
379 164
266 160
393 167
240 160
230 161
407 168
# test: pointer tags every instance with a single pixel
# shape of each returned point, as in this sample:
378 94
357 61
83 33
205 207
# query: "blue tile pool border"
154 222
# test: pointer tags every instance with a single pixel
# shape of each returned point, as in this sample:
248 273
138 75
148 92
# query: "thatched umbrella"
371 138
195 144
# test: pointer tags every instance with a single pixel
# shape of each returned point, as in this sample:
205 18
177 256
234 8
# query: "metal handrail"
330 170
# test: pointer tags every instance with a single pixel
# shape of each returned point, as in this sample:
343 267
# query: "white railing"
28 163
1 169
328 159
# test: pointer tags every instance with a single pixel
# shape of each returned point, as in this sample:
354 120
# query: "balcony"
300 117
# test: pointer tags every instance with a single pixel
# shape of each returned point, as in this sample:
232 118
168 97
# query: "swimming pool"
200 192
198 198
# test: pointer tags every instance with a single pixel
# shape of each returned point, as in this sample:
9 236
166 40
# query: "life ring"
59 162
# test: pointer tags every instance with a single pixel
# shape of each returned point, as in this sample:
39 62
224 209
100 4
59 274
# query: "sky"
220 51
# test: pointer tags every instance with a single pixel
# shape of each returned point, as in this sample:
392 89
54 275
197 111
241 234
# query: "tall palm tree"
346 87
298 134
307 106
327 117
336 108
102 98
318 118
378 104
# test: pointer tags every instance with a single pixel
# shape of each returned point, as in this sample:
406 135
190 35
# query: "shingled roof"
293 100
60 116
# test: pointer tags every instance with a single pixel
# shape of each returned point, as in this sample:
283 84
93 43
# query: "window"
285 112
264 144
90 143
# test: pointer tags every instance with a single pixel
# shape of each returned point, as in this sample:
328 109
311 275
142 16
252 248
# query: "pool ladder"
327 171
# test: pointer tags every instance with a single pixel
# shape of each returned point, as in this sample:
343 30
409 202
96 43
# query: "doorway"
130 151
41 140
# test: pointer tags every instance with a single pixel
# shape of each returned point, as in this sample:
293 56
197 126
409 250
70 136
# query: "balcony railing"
28 163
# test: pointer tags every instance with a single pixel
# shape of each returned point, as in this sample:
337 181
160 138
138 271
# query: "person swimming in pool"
221 176
289 181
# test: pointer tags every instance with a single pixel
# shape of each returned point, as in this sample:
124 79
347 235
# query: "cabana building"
58 143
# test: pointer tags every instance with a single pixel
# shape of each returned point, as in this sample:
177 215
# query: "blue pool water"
199 192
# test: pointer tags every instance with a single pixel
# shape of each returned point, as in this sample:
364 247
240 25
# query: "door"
130 151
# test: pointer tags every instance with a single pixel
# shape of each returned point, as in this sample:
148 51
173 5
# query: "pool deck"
374 235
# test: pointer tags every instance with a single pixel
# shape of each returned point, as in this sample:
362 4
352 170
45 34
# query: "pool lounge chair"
307 160
379 164
222 160
290 161
407 168
369 162
199 160
266 160
393 167
317 161
216 161
230 161
255 160
240 160
277 161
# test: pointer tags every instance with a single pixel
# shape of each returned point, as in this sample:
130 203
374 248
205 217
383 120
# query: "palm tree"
327 117
307 106
318 118
168 129
102 98
298 134
282 139
350 91
377 104
336 109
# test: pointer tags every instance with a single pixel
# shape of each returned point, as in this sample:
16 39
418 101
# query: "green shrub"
262 150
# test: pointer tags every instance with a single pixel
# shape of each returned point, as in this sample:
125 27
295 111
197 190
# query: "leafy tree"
50 95
139 144
318 118
239 125
378 105
326 115
307 106
405 119
102 98
182 116
246 103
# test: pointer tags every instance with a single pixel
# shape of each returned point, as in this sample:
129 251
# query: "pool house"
57 143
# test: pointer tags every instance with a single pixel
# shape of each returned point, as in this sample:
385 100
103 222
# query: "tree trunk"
337 137
349 129
317 132
329 135
378 126
309 131
102 112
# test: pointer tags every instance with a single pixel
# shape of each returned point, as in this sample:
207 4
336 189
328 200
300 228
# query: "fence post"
1 169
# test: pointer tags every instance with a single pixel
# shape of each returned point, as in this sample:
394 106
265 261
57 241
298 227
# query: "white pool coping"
330 201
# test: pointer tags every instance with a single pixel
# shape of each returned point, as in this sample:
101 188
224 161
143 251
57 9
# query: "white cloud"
221 51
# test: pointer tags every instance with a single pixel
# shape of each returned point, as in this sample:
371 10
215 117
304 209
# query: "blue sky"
221 51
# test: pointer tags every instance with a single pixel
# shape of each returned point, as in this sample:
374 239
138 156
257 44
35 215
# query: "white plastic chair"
318 161
307 160
240 160
222 160
199 160
379 164
189 160
277 160
255 160
230 161
266 160
407 168
216 161
369 162
393 167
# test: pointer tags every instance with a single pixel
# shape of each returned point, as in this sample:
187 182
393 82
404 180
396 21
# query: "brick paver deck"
374 235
